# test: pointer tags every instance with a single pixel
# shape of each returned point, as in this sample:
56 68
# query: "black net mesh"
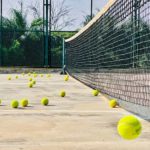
112 55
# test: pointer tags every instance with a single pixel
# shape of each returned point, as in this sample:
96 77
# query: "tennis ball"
29 74
35 75
129 127
41 75
9 77
66 77
113 103
14 104
44 101
95 92
17 77
62 93
0 101
48 76
24 102
33 82
30 85
30 79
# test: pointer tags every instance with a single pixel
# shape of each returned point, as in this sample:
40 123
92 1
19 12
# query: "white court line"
63 111
46 143
22 83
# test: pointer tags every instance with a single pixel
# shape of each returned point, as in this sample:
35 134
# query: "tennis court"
106 57
77 121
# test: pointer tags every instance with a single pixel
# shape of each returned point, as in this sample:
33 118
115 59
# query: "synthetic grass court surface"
77 122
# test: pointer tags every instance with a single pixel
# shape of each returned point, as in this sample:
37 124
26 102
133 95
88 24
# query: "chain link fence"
24 41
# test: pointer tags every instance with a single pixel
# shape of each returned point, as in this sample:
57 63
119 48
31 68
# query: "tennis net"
112 53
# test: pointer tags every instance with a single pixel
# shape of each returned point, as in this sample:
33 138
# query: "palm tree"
87 19
22 41
19 20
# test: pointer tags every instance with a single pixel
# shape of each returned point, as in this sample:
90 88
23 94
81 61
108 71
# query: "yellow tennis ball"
24 102
44 101
66 77
35 75
14 104
113 103
62 93
23 74
0 101
30 85
9 77
17 77
95 92
41 75
29 74
33 82
30 79
48 75
129 127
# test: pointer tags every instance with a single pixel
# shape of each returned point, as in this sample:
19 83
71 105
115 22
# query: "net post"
63 58
63 53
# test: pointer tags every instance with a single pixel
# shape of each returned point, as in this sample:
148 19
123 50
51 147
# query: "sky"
79 9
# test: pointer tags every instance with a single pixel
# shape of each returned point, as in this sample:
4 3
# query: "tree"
87 19
18 20
59 14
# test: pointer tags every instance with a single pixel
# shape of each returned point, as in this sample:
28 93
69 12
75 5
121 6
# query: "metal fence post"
91 9
135 26
1 23
46 64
